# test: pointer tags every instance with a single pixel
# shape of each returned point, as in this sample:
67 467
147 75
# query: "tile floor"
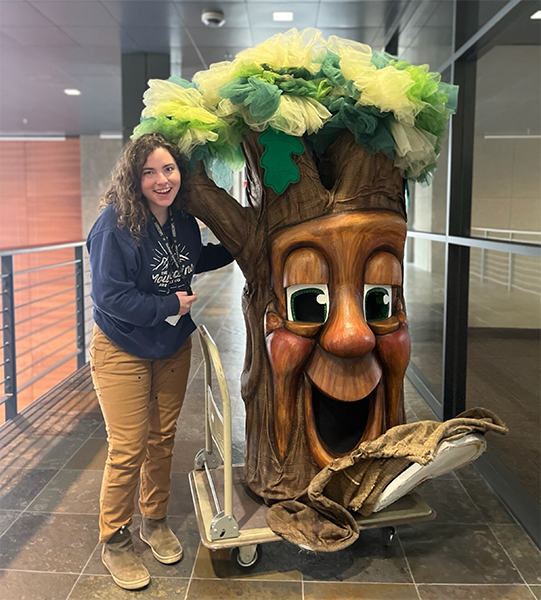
51 462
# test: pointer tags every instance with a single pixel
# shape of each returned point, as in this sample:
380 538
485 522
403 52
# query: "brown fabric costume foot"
320 519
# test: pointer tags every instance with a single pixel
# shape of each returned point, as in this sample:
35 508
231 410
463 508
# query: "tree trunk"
280 460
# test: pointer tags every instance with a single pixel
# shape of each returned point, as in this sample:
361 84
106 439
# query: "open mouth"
335 427
340 425
163 192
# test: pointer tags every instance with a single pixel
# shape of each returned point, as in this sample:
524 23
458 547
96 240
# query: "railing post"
8 322
510 265
483 250
80 306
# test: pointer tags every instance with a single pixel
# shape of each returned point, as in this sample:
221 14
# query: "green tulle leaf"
368 124
183 83
315 88
277 160
260 97
268 77
381 59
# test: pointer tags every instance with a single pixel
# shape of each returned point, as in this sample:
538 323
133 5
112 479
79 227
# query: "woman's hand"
185 302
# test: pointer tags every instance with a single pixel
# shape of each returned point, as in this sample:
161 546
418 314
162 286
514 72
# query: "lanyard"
173 255
164 239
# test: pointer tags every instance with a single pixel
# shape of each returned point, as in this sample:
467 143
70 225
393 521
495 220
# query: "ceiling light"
105 135
528 136
282 16
32 138
536 15
72 92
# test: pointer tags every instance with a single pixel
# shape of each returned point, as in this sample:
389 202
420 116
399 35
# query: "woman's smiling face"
160 180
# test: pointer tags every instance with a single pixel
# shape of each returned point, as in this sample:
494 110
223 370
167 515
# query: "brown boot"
162 541
126 568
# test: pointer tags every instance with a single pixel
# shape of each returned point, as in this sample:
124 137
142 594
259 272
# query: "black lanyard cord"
164 239
173 255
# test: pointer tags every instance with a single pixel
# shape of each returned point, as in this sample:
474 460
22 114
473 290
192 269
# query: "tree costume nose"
346 333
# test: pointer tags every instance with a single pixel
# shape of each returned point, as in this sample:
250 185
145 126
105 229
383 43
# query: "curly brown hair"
124 191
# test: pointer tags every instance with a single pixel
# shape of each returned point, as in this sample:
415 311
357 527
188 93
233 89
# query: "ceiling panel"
158 39
48 37
76 13
224 38
347 14
366 35
280 2
102 36
209 5
21 14
138 13
7 42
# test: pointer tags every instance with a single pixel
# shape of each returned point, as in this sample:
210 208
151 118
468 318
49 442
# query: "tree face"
337 339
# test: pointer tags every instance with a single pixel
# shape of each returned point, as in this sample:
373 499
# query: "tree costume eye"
307 303
377 302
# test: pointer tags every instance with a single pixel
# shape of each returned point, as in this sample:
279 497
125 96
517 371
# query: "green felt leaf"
277 160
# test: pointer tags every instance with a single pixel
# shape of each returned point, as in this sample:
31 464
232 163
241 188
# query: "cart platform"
251 512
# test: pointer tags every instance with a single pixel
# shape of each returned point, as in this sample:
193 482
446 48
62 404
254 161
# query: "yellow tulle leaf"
298 115
414 150
387 89
214 78
291 49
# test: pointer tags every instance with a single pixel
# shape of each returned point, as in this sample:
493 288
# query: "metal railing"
506 269
42 309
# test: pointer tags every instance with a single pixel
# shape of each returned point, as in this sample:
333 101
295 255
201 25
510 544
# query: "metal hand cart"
229 514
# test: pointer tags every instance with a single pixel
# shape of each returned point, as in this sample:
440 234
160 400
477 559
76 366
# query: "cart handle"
212 356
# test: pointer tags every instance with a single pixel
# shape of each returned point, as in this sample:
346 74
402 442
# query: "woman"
143 252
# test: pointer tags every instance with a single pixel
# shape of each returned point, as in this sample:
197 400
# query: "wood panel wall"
40 204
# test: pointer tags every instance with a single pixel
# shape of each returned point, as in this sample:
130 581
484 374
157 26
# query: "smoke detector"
213 18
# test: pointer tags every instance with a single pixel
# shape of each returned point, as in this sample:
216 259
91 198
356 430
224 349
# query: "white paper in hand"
173 320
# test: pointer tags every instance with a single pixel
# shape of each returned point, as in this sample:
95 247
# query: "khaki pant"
141 401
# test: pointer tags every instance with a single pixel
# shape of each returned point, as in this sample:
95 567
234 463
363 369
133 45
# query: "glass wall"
507 144
424 282
504 332
428 203
473 260
504 354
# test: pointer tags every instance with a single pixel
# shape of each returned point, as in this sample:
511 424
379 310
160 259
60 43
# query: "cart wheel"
246 558
387 536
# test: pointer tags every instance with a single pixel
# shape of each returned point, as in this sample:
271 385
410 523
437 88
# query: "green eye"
307 303
377 302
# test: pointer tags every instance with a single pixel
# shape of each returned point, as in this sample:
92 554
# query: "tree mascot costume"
329 131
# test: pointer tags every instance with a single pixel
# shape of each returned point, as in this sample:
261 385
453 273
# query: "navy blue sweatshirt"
133 286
